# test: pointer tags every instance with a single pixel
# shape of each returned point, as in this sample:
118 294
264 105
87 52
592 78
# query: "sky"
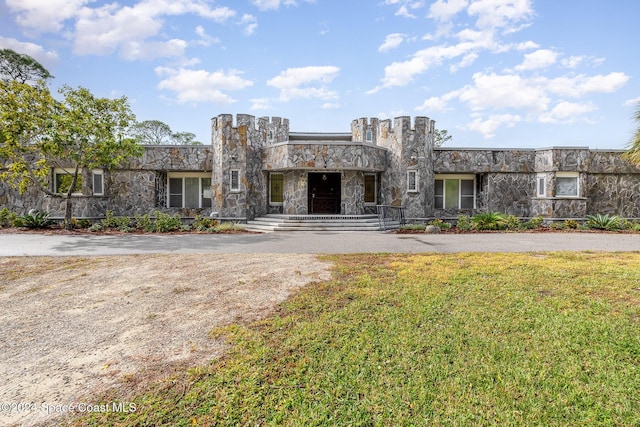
493 73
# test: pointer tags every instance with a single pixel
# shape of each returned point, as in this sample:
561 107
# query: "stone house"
256 167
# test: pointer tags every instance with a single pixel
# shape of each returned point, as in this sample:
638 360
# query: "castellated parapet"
410 160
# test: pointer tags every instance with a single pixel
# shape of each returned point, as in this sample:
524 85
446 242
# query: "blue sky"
494 73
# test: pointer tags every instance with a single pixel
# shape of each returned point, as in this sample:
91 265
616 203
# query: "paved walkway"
311 242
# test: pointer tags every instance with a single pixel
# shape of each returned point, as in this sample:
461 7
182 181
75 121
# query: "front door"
324 193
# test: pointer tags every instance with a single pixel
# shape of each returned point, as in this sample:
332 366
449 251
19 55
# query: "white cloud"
443 10
402 73
433 104
567 112
632 102
250 23
201 85
205 39
488 127
275 4
503 91
35 51
260 104
45 15
113 27
541 58
331 106
500 13
572 61
305 82
392 41
581 85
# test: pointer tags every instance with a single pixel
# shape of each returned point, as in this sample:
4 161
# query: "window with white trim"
235 179
62 179
541 185
276 188
368 136
370 188
98 182
567 184
455 192
189 190
412 181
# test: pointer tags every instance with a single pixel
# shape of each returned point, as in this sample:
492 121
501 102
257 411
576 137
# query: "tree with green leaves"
79 133
21 68
633 154
155 132
441 136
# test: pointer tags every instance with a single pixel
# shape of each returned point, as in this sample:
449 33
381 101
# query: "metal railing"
389 216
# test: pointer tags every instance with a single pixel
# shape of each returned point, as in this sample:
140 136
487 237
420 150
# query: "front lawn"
463 339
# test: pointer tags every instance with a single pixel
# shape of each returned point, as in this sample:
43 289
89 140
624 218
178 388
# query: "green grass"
465 339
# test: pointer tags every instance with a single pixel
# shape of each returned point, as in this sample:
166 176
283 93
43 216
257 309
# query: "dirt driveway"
71 328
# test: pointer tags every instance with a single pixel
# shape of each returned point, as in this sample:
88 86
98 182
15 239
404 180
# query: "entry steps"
279 222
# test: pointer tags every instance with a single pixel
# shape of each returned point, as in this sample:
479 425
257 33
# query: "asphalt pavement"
25 244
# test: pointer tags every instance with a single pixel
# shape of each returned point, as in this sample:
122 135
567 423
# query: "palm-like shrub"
36 220
489 221
603 222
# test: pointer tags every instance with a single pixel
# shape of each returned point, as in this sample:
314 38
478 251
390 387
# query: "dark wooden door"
324 193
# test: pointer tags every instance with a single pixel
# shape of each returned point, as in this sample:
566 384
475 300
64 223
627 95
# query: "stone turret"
409 179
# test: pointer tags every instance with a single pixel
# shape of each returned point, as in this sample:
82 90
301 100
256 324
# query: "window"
276 188
567 184
189 191
455 192
412 181
98 182
270 137
63 179
370 189
368 136
235 180
541 185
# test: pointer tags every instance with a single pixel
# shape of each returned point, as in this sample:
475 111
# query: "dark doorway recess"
324 193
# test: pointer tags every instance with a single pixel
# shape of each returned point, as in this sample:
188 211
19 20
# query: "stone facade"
254 167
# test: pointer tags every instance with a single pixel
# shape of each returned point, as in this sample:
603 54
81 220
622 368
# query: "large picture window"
276 188
455 192
189 191
567 184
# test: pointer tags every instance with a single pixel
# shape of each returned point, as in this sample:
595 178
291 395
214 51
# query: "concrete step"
276 222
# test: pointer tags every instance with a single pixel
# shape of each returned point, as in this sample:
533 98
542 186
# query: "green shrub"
572 224
511 222
143 222
81 223
556 225
201 223
165 222
535 222
603 222
440 224
228 226
96 226
489 221
8 218
464 223
36 219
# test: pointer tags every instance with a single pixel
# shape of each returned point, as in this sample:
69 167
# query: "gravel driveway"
71 328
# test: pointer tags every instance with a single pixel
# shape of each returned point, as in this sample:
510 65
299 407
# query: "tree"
21 68
39 134
633 154
155 132
441 136
185 138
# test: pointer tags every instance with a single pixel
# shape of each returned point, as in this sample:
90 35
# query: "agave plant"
35 219
603 222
